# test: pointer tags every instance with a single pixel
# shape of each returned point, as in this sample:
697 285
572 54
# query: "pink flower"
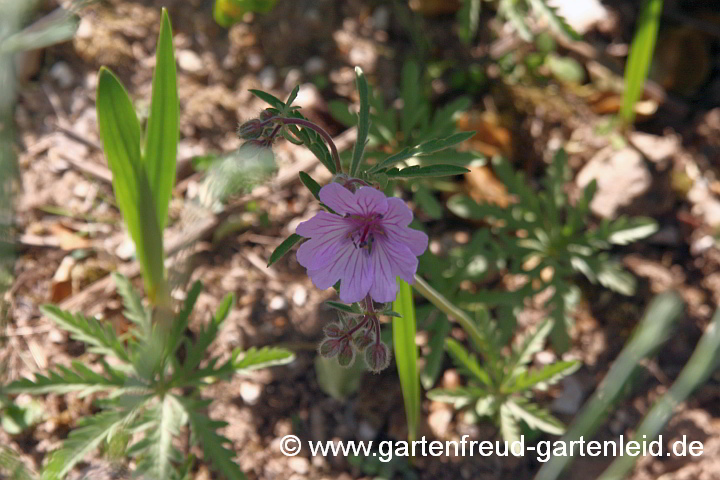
366 245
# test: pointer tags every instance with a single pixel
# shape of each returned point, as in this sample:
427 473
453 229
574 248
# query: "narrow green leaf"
56 27
292 96
363 122
640 57
544 377
135 311
468 19
284 248
162 127
254 359
406 355
120 134
354 309
426 148
311 184
429 171
272 100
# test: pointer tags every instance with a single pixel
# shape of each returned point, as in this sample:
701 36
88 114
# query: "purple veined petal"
357 278
326 231
370 201
390 259
337 197
334 270
322 224
395 226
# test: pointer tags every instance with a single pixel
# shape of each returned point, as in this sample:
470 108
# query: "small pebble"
189 61
278 303
315 66
62 74
250 392
255 61
300 296
299 465
292 78
268 77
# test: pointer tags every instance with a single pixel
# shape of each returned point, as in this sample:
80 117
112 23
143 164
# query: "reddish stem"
326 136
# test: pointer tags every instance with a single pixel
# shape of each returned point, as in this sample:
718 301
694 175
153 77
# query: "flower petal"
395 223
364 202
337 197
357 278
390 259
326 231
333 270
369 201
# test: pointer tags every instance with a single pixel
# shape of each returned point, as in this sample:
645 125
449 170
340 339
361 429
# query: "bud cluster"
260 131
354 334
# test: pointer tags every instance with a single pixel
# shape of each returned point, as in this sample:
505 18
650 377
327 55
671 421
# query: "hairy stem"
444 305
326 136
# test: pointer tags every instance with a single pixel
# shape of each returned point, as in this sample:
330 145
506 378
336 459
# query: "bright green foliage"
640 58
141 400
406 355
500 387
546 238
229 12
143 177
422 140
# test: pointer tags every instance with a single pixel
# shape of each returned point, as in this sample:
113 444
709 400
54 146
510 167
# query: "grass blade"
649 335
406 355
120 134
641 52
702 363
162 127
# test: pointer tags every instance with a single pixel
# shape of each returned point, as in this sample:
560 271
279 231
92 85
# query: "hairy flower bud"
334 330
251 130
377 357
332 347
346 357
363 339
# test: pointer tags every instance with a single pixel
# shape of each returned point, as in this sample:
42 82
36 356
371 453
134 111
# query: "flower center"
363 235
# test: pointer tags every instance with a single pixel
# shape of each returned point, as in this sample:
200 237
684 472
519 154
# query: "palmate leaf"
625 230
458 397
89 434
206 335
100 337
204 430
466 362
556 22
159 454
135 311
79 379
253 358
531 345
13 467
549 375
535 417
613 276
509 428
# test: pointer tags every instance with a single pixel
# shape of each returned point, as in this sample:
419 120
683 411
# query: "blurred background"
528 77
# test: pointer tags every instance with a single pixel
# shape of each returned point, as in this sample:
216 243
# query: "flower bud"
377 357
332 347
251 130
334 330
346 355
363 339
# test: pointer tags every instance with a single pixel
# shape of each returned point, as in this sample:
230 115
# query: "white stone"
189 61
300 296
250 392
62 74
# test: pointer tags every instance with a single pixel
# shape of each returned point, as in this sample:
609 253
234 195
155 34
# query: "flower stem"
326 136
444 305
